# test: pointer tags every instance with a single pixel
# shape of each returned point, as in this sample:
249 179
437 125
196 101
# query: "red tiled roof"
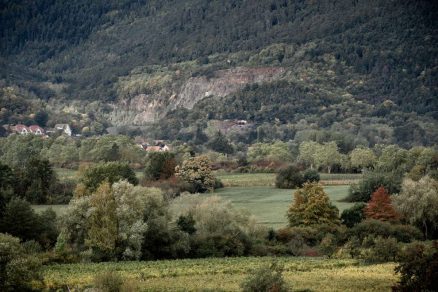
35 128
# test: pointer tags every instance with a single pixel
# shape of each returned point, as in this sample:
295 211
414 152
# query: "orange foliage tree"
380 207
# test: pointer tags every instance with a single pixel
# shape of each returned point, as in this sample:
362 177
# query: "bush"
17 269
362 191
108 281
354 215
112 172
311 175
289 178
383 250
159 165
403 233
328 245
267 278
418 268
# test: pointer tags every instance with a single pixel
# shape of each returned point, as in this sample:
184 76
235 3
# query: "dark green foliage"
289 178
362 191
221 245
218 183
110 171
186 224
311 175
220 143
403 233
396 65
113 153
159 165
19 219
7 181
17 269
36 180
384 250
41 118
264 279
353 215
418 268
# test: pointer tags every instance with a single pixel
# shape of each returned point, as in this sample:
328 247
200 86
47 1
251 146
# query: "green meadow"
269 205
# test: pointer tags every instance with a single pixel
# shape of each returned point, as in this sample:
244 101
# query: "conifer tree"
380 206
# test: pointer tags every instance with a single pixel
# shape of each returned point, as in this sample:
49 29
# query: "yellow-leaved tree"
312 207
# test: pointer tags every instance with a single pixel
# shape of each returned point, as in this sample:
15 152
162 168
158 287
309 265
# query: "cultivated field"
269 205
225 274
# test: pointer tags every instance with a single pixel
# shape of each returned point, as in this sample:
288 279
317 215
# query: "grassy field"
269 205
71 174
268 179
225 274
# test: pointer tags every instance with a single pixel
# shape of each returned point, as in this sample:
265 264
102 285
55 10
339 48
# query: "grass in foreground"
269 205
225 274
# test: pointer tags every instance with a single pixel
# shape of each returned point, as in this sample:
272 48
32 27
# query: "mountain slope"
146 57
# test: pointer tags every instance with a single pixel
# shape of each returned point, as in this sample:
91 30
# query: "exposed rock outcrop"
146 108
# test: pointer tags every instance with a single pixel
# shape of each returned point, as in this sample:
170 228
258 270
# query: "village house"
36 130
20 129
161 147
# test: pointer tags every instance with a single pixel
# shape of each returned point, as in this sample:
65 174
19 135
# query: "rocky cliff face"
146 108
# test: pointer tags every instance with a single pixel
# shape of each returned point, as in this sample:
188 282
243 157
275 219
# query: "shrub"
328 245
403 233
311 175
418 268
362 191
17 269
308 235
108 281
159 165
353 215
289 178
383 250
112 172
266 278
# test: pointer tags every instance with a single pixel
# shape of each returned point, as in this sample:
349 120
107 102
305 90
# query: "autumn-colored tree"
197 172
380 207
312 207
102 220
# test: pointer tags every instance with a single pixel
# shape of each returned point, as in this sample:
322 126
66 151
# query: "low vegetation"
227 274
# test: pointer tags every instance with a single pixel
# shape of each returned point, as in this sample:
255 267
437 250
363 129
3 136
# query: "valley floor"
226 274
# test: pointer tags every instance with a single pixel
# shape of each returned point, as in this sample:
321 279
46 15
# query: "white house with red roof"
21 129
36 130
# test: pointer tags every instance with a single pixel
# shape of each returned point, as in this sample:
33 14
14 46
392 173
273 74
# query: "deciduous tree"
197 172
380 207
312 207
418 203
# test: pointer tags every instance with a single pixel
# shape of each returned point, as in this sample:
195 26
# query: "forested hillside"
360 68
